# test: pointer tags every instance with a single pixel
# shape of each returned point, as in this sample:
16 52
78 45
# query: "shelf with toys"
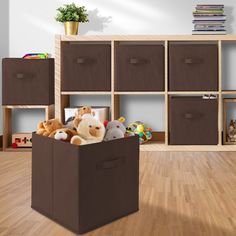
131 60
20 141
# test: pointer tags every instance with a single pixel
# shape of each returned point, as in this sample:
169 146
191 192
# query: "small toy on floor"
115 129
231 132
139 128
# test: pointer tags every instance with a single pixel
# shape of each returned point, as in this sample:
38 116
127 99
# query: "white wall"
32 29
4 42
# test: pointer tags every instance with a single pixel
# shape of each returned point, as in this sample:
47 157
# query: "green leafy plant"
71 12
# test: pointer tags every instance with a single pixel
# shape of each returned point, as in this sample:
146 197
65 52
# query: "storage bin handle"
109 164
188 116
193 60
82 60
137 61
20 76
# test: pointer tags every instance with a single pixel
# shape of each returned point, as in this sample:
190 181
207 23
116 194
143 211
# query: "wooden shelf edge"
27 106
139 93
192 92
189 37
229 92
86 93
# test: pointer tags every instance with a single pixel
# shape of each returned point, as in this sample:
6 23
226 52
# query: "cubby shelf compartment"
7 117
62 97
226 102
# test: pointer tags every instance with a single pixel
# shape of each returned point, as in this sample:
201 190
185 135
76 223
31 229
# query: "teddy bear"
84 112
63 134
88 130
115 129
45 128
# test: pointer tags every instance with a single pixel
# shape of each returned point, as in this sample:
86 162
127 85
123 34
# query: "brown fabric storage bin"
86 67
27 81
84 187
193 121
139 68
193 67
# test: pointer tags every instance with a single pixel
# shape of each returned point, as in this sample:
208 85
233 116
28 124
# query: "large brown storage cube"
139 68
84 187
193 121
86 67
27 81
193 67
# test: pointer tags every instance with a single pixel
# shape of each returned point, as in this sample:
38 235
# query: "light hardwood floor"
181 193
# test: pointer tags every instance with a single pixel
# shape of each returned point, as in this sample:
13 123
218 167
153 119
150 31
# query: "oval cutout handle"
193 60
109 164
80 60
137 61
83 60
188 116
20 76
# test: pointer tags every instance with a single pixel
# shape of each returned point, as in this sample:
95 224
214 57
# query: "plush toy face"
63 134
114 130
116 124
51 125
90 128
114 133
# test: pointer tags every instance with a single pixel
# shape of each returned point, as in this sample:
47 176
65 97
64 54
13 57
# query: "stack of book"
209 19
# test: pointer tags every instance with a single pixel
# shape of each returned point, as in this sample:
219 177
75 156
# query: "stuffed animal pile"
84 129
231 132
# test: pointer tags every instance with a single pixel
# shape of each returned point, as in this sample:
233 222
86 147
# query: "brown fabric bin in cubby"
27 81
193 121
84 187
193 67
85 67
139 67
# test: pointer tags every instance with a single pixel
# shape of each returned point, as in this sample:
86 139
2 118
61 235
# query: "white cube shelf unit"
109 79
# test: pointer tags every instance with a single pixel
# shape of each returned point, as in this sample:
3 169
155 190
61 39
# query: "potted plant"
71 15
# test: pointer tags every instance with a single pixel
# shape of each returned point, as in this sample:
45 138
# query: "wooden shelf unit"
62 98
7 126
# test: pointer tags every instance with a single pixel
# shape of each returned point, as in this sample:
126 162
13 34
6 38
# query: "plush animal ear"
40 125
76 121
105 123
121 119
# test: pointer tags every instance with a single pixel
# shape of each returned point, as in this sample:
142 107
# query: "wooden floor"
181 193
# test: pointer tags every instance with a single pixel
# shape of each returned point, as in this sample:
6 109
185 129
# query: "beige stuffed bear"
45 128
89 131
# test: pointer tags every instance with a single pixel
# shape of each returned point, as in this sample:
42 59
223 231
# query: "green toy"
139 128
